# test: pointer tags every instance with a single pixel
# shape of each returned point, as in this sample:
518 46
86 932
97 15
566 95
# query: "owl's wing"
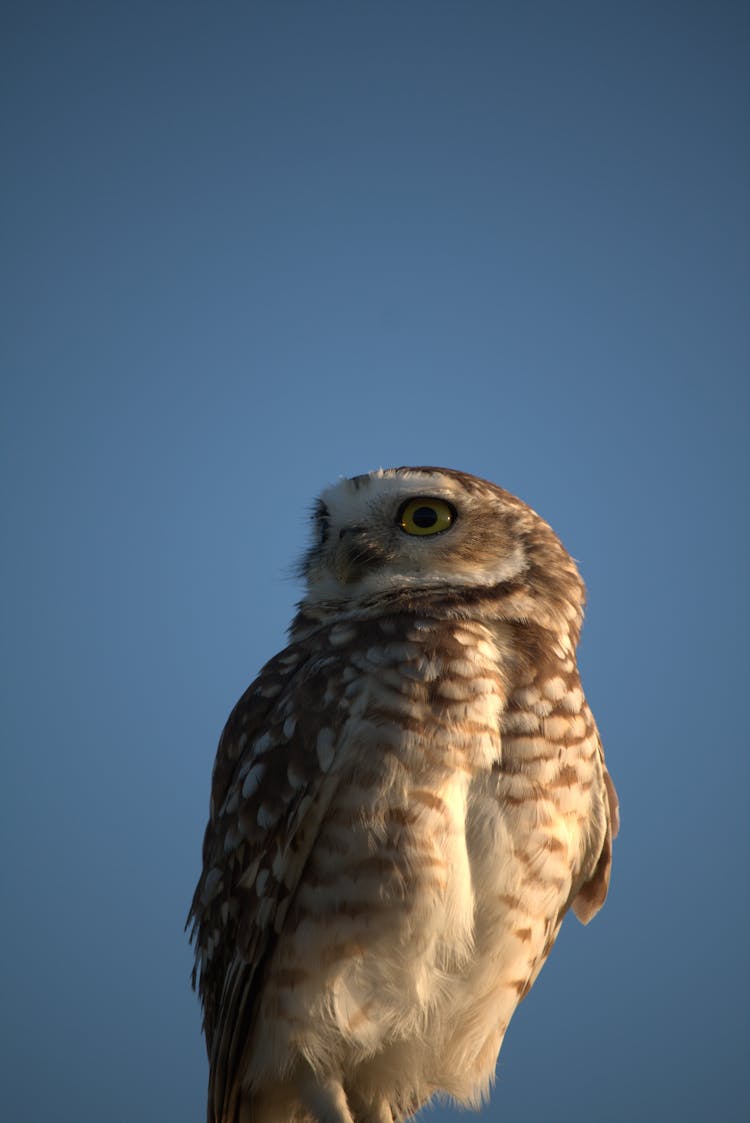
271 787
593 893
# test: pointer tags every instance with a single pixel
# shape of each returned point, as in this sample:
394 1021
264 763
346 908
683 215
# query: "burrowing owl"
404 805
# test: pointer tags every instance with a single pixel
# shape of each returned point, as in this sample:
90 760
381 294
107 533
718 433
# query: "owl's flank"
404 805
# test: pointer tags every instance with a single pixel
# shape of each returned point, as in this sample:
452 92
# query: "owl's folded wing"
272 784
593 893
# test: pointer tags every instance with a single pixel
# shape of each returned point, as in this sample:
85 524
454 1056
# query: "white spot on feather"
554 688
520 721
248 878
265 912
325 748
252 780
262 744
556 727
527 696
573 701
278 866
232 839
456 691
211 885
341 633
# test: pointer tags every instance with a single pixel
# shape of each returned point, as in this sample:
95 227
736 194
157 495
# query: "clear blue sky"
250 247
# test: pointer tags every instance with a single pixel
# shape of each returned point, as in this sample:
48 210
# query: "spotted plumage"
405 803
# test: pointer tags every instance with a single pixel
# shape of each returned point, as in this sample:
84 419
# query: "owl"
404 805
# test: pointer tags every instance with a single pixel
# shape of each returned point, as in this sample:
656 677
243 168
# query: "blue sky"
248 248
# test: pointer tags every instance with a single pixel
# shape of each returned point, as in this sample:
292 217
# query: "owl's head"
415 538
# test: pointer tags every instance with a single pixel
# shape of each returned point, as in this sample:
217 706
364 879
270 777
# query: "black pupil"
424 517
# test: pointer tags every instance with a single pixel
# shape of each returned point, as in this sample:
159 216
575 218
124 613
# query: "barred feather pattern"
405 804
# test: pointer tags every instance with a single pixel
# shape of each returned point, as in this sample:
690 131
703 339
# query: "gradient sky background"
248 248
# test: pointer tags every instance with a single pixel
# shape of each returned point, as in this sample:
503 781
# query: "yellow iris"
426 516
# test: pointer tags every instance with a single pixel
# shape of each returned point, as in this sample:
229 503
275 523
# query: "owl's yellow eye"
425 516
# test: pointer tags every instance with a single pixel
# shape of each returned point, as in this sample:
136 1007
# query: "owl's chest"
420 719
422 724
430 703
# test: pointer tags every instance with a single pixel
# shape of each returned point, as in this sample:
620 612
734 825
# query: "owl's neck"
547 619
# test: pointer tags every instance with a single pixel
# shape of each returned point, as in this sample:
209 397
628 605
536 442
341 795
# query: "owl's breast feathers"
402 811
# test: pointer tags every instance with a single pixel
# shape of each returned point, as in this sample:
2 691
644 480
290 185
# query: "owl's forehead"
386 487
